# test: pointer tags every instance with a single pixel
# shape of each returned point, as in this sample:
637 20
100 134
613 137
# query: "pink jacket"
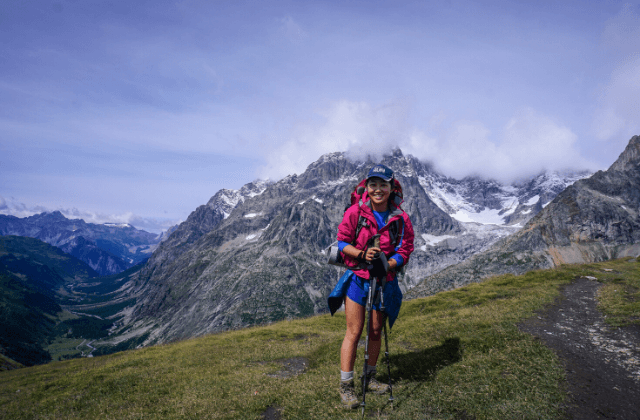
347 230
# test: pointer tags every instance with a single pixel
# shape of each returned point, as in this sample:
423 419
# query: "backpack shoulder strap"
395 233
362 221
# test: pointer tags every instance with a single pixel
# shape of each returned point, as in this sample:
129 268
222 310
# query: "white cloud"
11 207
529 143
618 114
535 142
356 128
464 148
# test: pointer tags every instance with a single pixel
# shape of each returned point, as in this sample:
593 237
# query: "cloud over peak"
528 144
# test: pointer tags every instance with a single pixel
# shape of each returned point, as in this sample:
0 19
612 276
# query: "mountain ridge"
594 219
223 268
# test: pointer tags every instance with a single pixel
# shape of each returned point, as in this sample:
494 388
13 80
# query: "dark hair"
390 182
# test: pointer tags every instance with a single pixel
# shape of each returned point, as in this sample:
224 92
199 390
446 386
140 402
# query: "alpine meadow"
457 354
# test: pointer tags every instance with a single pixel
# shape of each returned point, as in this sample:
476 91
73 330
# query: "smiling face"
378 191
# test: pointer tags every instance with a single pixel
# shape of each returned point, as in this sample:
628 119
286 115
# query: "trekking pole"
369 310
386 340
377 271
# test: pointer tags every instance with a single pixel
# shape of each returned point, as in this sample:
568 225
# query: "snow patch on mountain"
118 225
225 200
533 200
433 239
485 217
489 202
342 180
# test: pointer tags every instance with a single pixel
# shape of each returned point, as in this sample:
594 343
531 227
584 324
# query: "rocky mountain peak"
254 188
329 168
629 159
406 166
276 233
54 216
397 153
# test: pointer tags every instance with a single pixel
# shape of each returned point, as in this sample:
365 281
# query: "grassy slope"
27 317
453 355
67 266
8 364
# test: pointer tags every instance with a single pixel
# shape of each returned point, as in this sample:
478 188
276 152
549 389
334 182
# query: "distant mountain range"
257 255
107 248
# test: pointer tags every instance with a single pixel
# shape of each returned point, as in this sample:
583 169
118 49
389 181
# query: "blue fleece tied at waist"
392 296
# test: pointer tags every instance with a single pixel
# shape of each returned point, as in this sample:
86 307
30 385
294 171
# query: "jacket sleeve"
406 248
347 228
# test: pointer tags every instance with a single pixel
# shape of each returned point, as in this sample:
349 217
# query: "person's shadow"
420 366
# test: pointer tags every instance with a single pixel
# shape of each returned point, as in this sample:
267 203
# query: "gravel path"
602 363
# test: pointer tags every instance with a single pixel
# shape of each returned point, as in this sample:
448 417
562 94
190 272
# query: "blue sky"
139 112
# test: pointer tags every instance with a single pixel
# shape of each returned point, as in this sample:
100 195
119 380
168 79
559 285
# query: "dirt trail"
602 363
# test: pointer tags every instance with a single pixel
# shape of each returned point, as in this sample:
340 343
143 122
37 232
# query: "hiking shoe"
376 387
348 394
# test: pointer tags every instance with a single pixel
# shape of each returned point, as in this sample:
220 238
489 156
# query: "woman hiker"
379 209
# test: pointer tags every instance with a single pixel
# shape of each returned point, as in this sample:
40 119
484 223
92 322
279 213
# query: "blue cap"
381 171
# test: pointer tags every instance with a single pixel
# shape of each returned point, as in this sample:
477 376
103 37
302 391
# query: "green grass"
7 363
458 354
619 298
62 348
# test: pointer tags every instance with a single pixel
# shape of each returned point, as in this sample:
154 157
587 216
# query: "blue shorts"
359 290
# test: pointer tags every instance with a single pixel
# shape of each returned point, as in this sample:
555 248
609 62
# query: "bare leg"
375 336
355 315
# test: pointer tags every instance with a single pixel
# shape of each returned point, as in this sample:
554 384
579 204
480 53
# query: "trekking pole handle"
376 241
378 266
